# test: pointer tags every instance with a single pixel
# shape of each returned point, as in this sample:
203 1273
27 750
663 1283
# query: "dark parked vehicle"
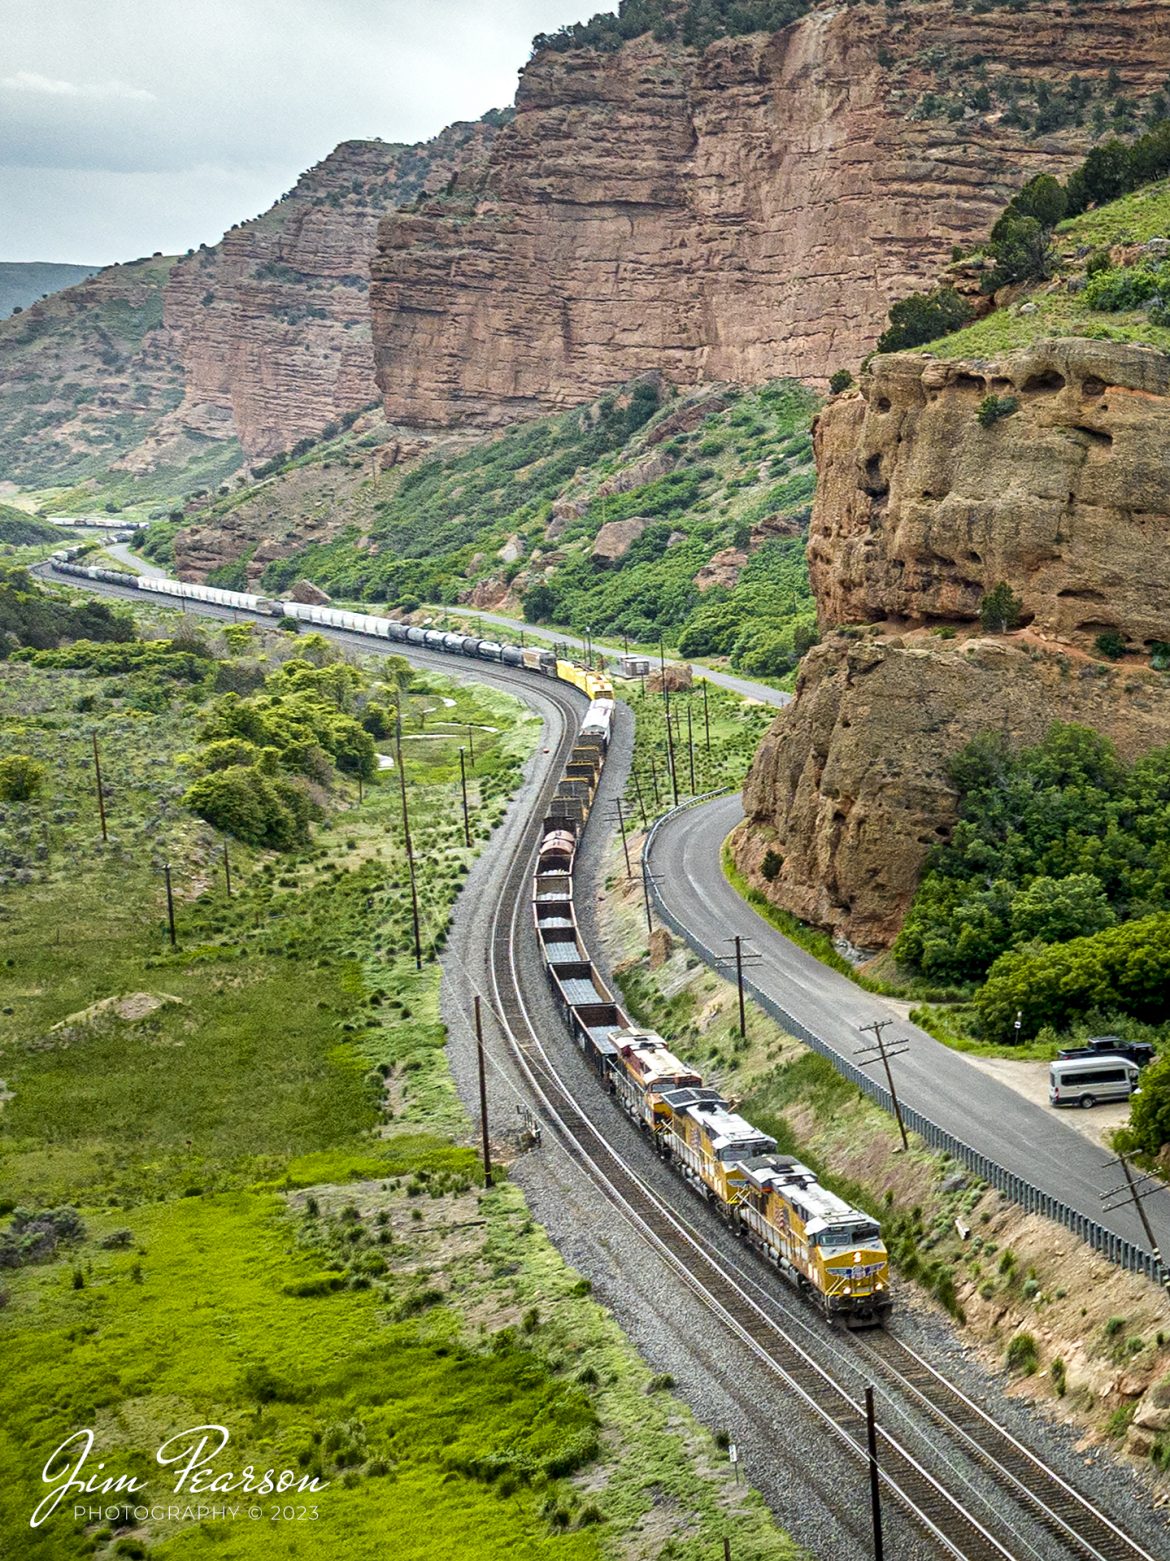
1140 1052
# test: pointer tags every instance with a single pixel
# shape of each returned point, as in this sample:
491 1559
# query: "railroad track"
946 1515
728 1288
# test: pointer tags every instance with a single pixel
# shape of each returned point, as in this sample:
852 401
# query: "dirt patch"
130 1008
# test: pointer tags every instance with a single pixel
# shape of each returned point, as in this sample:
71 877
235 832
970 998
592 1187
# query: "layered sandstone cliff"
919 511
274 320
738 214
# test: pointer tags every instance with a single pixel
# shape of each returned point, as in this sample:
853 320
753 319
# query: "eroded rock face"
274 320
850 788
615 539
920 510
732 216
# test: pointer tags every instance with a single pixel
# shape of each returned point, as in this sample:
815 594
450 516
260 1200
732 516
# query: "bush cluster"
1058 842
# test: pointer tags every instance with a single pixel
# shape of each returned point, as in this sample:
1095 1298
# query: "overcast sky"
128 126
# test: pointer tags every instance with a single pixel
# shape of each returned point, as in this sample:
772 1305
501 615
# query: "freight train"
828 1249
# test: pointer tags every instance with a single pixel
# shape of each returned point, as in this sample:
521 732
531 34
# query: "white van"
1083 1081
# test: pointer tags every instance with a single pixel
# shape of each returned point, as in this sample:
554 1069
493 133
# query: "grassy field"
282 1225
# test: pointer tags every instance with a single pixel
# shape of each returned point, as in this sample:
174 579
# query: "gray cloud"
139 125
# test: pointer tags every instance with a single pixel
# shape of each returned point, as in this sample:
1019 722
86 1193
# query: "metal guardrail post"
1117 1248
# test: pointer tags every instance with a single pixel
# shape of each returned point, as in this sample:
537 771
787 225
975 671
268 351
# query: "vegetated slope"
86 375
307 1257
1038 468
735 208
22 282
684 519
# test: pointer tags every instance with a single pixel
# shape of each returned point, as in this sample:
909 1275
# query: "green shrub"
1111 644
840 380
1059 1374
1022 1354
924 317
1000 610
21 779
992 409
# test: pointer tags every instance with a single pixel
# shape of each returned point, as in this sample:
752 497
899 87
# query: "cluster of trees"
693 22
32 618
1123 969
260 754
1062 841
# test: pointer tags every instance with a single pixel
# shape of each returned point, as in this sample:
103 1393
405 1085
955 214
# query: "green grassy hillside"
1071 303
23 282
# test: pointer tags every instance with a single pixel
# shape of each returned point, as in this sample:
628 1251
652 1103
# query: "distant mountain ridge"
22 282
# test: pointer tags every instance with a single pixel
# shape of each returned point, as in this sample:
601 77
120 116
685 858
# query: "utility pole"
1135 1190
880 1050
638 794
483 1116
706 713
669 734
360 793
875 1488
471 744
463 787
647 880
97 770
625 846
170 905
227 870
691 747
409 849
741 959
654 783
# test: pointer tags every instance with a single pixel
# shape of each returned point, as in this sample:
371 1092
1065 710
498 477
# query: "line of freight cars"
64 561
828 1249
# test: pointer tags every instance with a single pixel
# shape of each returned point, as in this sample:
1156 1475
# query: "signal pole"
170 905
875 1488
669 734
880 1050
625 845
483 1116
97 770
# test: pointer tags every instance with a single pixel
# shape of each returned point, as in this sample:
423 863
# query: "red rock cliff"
274 320
740 214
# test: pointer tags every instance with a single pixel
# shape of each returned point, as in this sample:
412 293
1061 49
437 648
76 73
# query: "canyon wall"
274 320
919 511
734 215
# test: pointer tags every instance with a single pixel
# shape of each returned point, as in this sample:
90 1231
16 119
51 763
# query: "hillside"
155 379
22 282
987 552
642 514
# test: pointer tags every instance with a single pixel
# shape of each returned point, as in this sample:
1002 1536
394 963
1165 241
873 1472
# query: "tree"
1021 247
539 603
1149 1114
1043 198
1052 910
839 380
924 317
21 778
1000 609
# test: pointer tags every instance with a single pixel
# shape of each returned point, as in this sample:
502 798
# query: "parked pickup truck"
1140 1052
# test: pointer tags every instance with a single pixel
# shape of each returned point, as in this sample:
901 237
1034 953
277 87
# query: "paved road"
1029 1140
738 685
121 551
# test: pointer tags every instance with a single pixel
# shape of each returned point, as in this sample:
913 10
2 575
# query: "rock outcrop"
615 539
850 789
733 215
920 510
274 320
